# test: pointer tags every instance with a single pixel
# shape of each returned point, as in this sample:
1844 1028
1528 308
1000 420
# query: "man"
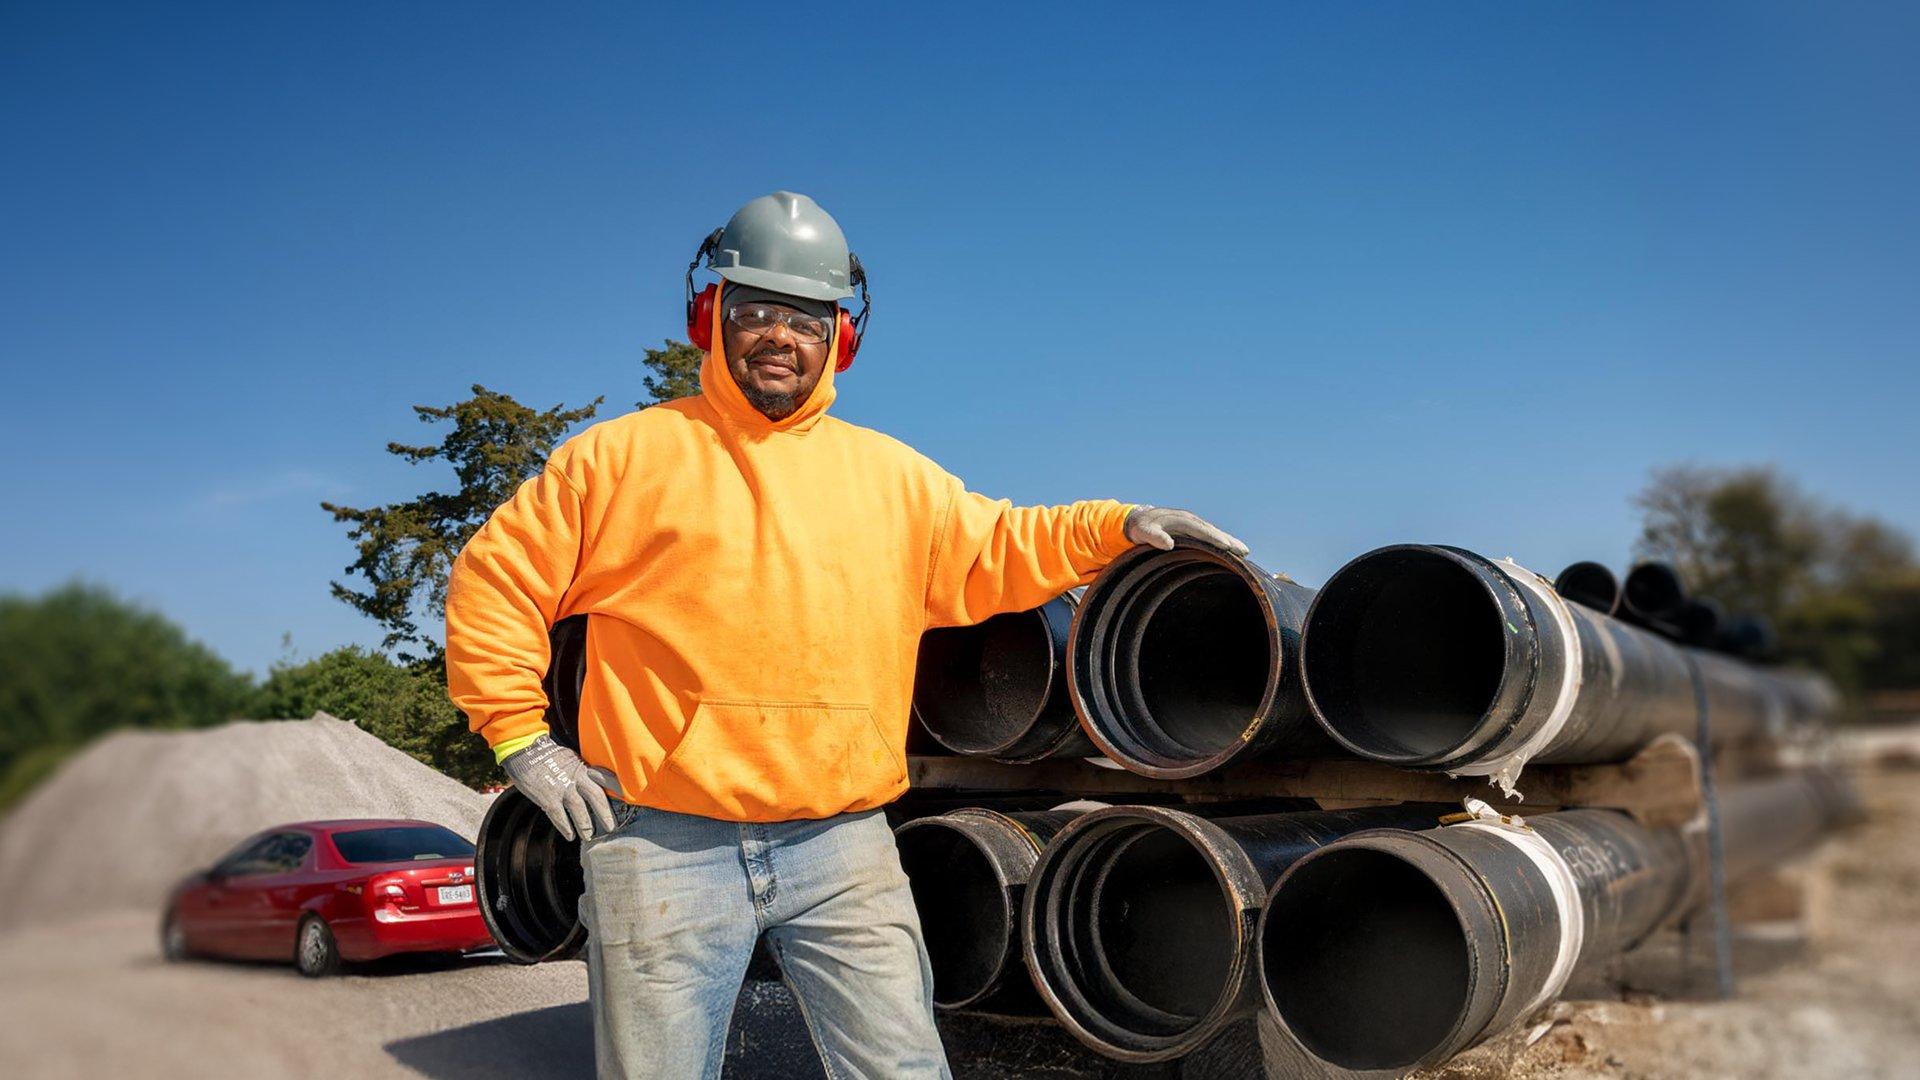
756 576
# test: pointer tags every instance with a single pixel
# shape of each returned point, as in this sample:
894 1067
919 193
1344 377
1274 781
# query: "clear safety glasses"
762 318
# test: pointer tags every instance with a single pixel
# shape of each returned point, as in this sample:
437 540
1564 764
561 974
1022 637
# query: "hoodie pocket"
768 760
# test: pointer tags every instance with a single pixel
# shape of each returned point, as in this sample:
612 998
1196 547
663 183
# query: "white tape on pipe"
1560 882
1505 769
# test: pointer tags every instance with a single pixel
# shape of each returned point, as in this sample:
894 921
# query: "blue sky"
1334 275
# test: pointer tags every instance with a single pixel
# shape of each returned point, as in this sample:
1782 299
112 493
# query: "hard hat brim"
791 284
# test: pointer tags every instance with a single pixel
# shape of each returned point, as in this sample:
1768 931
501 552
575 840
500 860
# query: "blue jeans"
674 904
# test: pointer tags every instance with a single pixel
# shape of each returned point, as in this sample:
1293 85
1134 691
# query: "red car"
323 892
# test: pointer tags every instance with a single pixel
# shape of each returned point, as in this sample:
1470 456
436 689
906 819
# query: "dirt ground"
89 997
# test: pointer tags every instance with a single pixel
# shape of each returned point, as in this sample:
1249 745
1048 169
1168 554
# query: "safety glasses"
762 318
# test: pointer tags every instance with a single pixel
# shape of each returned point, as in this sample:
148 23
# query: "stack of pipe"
1378 937
1654 598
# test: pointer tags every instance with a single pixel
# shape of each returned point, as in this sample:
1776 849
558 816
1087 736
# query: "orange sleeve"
502 596
991 556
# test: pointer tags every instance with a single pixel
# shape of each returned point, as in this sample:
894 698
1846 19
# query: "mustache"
786 354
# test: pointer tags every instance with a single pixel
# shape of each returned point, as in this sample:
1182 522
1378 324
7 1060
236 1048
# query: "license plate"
456 894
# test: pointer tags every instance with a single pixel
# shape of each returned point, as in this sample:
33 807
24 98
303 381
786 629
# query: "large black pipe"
529 882
998 689
1138 921
1592 584
529 877
1749 637
968 869
1389 951
1434 657
1652 596
1698 623
1185 661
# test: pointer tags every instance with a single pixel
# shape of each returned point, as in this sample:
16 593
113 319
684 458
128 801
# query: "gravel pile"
126 818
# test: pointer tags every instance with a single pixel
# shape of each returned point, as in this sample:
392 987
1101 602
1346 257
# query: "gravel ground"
88 996
115 827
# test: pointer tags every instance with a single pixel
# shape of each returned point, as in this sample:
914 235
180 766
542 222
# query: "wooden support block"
1775 895
1660 786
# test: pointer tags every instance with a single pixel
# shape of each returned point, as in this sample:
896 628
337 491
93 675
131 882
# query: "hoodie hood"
718 387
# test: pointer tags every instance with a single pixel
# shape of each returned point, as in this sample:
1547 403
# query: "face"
775 369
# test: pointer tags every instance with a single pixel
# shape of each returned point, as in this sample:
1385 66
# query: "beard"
772 404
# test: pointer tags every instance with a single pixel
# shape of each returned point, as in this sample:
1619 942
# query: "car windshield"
401 843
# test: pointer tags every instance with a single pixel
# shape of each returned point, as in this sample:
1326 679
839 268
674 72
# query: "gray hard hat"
784 242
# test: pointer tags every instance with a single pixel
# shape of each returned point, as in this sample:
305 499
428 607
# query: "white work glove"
568 789
1157 526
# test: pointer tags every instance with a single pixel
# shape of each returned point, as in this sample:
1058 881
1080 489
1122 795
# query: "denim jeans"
674 904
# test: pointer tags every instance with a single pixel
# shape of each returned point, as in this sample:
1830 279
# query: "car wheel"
173 938
314 951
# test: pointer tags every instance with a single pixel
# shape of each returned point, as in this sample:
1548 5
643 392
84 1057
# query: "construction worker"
756 576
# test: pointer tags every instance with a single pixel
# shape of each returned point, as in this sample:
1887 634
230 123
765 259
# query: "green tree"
676 372
1839 588
1748 537
406 707
79 661
406 549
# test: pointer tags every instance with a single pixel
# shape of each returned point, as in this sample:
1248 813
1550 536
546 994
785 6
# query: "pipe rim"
511 828
1021 747
967 824
1480 994
1511 691
1587 582
1102 611
1110 832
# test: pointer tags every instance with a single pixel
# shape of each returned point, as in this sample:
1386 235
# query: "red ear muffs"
700 328
847 340
700 318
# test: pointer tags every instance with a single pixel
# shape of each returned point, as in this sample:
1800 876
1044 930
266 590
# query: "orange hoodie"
755 593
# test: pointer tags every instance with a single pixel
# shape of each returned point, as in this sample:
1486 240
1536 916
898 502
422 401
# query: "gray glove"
568 789
1157 526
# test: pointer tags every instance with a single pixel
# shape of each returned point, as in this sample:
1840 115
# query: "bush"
405 707
79 661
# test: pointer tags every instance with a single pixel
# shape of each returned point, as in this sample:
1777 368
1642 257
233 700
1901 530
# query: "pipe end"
1177 659
1409 651
1365 958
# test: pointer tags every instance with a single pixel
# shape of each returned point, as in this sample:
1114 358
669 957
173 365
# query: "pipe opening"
964 914
1365 960
1653 590
530 882
1699 622
1181 660
978 689
1147 939
1589 584
1403 654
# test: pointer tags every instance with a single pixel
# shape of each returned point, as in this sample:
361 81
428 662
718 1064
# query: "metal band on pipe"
1560 882
1504 770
